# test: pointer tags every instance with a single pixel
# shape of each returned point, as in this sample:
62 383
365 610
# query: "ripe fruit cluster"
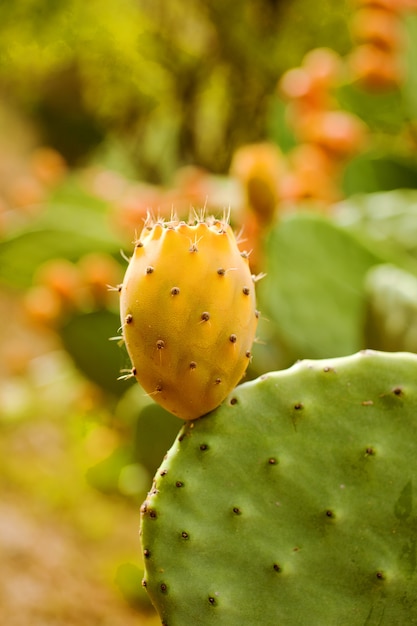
327 136
61 288
379 34
25 184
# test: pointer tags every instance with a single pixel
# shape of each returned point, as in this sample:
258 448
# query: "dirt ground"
48 576
64 546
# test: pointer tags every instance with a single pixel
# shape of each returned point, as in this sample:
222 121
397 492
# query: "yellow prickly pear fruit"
188 314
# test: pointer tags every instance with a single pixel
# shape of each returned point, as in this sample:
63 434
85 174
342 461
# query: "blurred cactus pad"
391 311
292 503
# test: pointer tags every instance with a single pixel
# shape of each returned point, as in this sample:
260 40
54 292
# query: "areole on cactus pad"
188 313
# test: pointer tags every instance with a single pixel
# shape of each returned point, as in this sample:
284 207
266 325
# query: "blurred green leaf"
156 430
312 294
374 171
129 581
387 221
86 339
391 309
104 476
153 429
382 111
71 225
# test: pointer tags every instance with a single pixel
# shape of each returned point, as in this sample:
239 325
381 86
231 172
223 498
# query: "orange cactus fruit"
98 270
338 132
188 313
311 84
259 168
324 67
63 278
382 28
313 173
376 69
48 166
396 6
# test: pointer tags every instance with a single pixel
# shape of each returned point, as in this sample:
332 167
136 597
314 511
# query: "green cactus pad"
293 503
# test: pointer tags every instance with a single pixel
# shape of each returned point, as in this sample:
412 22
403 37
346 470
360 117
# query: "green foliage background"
175 82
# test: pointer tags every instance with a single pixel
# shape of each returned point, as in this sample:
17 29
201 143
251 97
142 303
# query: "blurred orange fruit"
259 169
379 27
313 174
48 165
295 83
42 305
396 6
375 68
98 272
338 132
26 193
324 67
311 84
62 277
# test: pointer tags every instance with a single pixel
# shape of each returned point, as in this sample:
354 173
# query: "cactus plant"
293 502
188 313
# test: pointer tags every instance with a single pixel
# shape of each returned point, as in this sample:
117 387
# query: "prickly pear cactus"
293 503
188 314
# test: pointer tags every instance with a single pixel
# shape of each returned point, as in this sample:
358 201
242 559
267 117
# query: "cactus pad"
292 503
313 291
391 309
188 314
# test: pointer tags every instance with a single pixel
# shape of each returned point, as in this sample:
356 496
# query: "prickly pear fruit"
293 503
188 314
